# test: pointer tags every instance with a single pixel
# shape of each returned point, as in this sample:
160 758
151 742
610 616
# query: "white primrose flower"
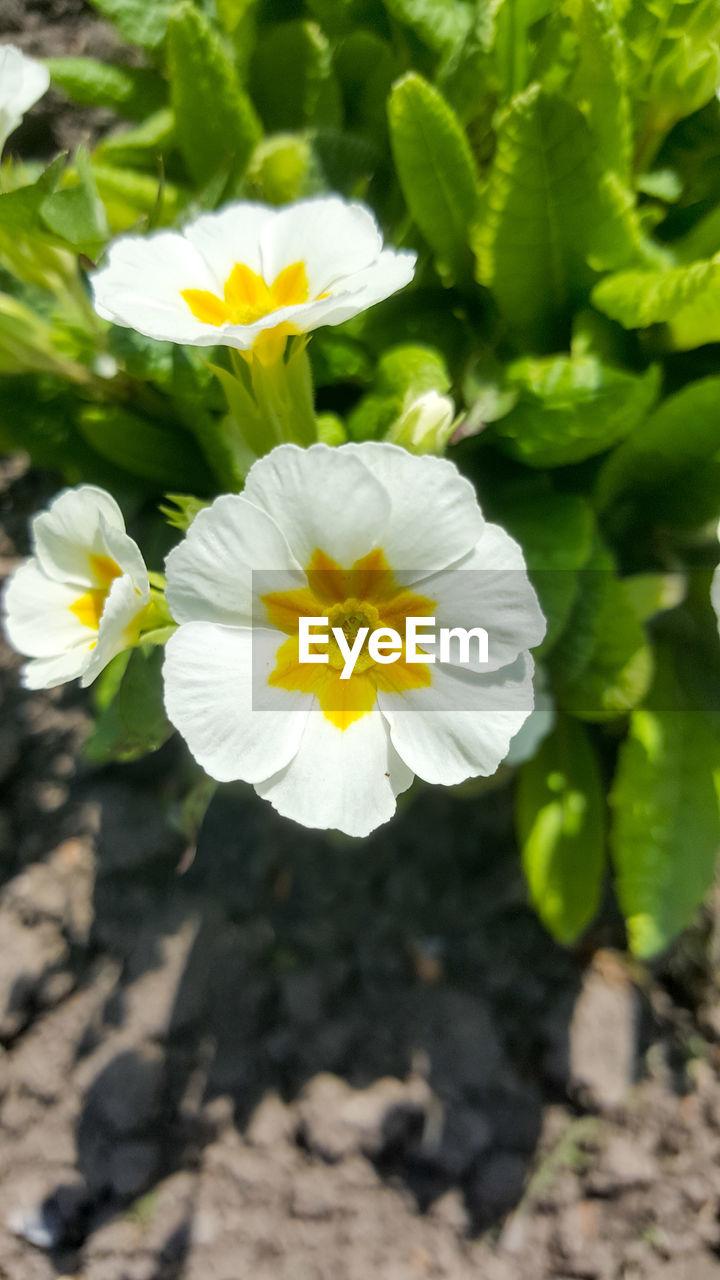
79 599
249 275
363 535
23 81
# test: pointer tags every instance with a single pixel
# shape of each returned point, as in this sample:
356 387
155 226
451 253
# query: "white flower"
78 601
22 81
250 275
360 534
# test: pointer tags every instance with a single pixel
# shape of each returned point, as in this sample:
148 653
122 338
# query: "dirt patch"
52 29
306 1057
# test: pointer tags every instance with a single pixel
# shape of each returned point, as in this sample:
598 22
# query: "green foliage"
402 374
136 20
571 407
292 78
560 813
134 92
215 122
556 168
666 813
603 665
435 168
686 297
133 722
144 448
669 469
555 531
546 212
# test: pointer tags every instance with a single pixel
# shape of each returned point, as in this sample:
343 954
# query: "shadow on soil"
398 992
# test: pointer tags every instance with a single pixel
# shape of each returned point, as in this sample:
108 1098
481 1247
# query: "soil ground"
292 1056
295 1056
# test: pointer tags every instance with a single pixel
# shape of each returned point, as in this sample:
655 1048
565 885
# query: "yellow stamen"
247 298
88 608
366 595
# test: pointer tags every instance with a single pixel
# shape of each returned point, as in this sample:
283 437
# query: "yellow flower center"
88 608
366 595
247 298
350 616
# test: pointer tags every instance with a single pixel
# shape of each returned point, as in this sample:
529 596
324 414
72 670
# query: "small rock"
623 1165
603 1037
270 1123
336 1121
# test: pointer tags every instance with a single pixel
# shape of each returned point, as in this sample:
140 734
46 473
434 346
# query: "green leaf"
142 22
547 210
364 64
129 196
144 448
653 593
600 83
555 531
687 298
670 466
20 209
133 722
140 147
513 47
134 92
571 407
441 25
183 509
666 810
76 213
435 167
674 47
602 667
215 120
561 828
292 79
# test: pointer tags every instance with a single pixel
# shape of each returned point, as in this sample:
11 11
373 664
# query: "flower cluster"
363 536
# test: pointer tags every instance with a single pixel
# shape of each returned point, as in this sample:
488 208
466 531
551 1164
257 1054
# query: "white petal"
48 673
230 236
72 529
489 588
461 725
435 518
38 621
141 282
210 574
210 674
23 80
321 498
343 779
393 270
127 555
332 237
116 632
